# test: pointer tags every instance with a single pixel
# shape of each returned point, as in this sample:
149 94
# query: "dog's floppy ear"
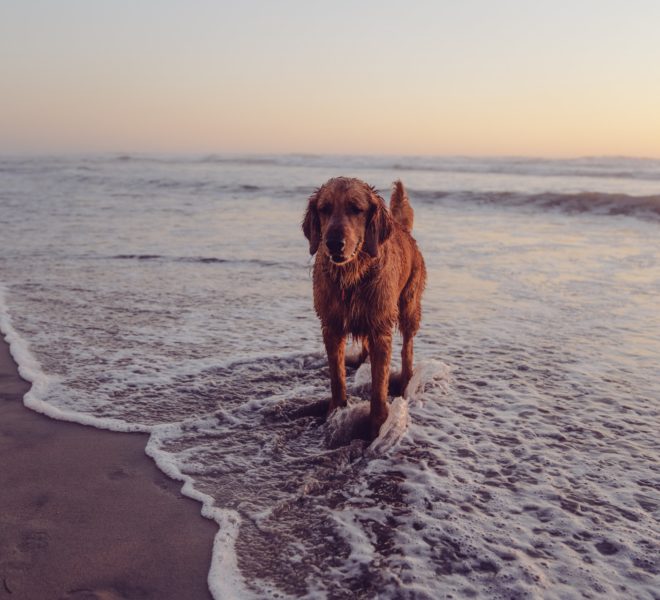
379 226
311 225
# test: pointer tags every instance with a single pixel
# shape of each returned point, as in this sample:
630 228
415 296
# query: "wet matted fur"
368 277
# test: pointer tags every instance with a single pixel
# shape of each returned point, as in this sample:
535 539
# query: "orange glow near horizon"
517 80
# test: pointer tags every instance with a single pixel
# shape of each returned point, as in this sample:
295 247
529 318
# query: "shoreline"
85 513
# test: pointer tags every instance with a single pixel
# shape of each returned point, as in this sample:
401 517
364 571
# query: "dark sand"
85 514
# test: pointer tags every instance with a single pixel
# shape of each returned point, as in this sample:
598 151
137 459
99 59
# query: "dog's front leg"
335 346
380 348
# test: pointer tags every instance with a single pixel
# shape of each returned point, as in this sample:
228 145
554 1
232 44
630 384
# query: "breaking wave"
583 202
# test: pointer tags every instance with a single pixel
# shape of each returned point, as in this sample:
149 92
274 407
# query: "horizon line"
124 154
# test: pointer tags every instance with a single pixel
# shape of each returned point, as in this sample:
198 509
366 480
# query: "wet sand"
84 513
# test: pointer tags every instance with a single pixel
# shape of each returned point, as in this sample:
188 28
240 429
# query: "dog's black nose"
335 244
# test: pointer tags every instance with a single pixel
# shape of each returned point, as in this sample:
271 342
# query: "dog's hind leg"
399 381
406 362
410 315
353 361
335 347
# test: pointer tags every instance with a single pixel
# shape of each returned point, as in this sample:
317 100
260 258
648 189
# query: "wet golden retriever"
368 277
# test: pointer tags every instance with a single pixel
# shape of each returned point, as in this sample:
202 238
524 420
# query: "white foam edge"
30 370
361 546
394 427
224 580
427 374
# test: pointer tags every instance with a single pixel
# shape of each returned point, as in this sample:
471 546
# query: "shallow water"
173 295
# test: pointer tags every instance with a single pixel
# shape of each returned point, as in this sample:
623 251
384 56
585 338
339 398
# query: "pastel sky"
474 77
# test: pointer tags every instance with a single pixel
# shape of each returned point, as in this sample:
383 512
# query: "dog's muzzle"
340 259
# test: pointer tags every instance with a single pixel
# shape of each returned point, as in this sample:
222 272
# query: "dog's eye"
355 209
326 209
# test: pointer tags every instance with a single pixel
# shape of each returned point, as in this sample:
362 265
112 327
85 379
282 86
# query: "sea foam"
224 578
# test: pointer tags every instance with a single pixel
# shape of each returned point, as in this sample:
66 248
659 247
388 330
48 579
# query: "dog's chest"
351 301
357 310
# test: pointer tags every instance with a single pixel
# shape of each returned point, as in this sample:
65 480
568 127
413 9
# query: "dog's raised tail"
400 207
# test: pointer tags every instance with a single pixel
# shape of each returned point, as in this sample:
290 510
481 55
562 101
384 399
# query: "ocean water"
172 295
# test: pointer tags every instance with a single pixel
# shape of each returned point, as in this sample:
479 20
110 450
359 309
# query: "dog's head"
344 217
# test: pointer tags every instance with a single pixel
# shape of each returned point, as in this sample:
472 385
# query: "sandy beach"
84 513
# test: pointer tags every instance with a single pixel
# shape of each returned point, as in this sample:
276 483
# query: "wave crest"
581 202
